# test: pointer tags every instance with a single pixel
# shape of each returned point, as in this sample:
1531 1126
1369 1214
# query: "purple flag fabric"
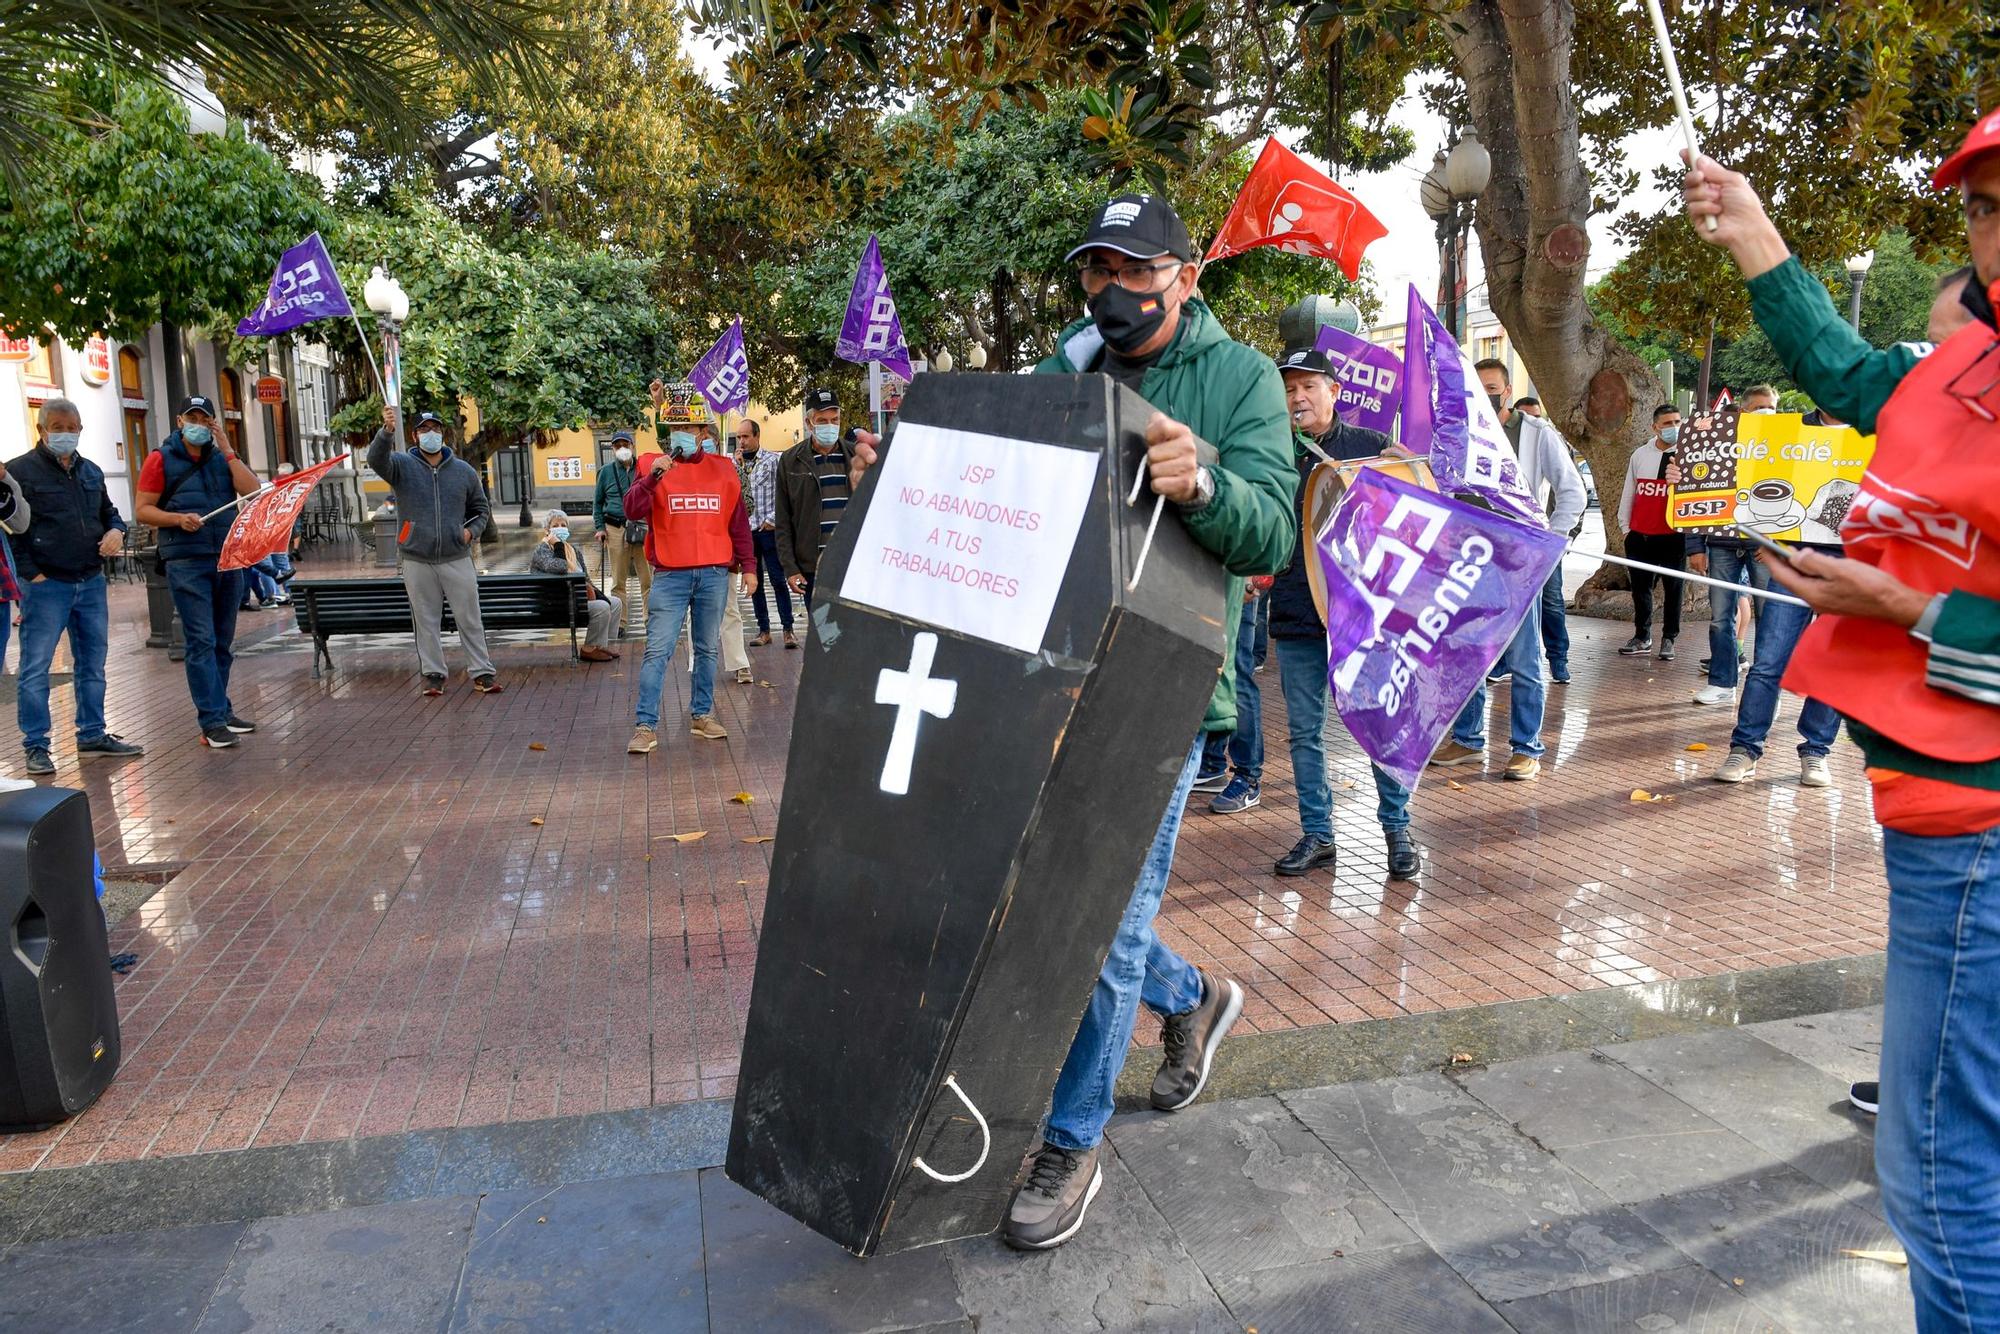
1423 593
722 376
1416 417
305 288
872 330
1369 376
1469 449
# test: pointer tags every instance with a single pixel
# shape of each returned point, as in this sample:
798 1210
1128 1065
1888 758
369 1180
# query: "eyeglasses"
1133 277
1976 400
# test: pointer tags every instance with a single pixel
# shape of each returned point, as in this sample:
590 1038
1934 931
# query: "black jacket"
798 506
1293 615
72 511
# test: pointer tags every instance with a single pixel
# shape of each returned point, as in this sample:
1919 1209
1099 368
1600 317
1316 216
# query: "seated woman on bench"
556 554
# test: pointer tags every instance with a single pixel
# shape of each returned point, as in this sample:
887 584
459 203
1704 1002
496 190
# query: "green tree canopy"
137 221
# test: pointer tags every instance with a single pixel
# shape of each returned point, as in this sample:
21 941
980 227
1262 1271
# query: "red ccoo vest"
692 506
1929 513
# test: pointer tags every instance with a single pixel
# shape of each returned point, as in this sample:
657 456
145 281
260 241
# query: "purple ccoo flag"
1369 379
1469 449
305 288
722 376
1416 407
1423 593
872 330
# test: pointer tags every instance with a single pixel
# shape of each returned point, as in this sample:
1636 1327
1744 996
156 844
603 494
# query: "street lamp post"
1448 191
391 304
943 361
1857 275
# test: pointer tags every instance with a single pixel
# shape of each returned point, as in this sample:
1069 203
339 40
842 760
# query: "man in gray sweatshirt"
443 505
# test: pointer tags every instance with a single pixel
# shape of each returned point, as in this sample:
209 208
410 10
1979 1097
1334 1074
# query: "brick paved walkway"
398 913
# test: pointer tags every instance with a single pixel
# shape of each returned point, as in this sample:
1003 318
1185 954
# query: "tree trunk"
1515 57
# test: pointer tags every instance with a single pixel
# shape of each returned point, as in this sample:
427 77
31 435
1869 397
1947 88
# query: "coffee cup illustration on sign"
1769 507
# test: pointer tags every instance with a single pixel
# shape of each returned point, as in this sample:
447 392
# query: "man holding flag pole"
188 489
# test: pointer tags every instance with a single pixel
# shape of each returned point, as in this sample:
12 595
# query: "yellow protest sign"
1769 471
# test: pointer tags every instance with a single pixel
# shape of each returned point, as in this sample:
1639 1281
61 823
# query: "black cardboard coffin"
955 929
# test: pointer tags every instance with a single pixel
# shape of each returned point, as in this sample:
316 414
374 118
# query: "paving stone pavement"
1708 1180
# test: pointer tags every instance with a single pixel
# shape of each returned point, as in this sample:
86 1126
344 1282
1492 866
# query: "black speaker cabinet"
58 1013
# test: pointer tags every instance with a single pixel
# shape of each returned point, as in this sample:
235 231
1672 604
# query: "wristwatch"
1204 490
1926 625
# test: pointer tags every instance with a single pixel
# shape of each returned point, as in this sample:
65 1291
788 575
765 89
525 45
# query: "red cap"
1985 138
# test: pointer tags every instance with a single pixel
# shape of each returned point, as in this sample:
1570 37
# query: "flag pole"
1666 45
1696 578
369 352
247 495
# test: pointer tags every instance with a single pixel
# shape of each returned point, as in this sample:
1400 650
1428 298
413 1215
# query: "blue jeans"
1779 625
1732 565
261 579
1937 1143
1555 623
674 592
1139 968
1523 661
771 575
1302 676
1263 631
47 609
1246 743
207 599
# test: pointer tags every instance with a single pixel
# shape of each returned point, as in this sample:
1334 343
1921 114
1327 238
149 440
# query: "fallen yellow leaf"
1697 745
1461 1058
682 838
761 838
536 745
743 799
767 685
1641 794
1456 786
1886 1257
536 820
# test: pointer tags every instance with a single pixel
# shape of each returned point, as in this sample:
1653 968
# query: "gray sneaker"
1048 1207
1191 1040
1740 767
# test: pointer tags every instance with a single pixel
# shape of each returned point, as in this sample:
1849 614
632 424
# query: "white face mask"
430 441
559 534
826 433
64 443
623 454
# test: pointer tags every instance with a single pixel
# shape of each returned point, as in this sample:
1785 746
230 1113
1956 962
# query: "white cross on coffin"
914 694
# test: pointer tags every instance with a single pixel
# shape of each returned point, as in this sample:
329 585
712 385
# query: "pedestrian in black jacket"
59 566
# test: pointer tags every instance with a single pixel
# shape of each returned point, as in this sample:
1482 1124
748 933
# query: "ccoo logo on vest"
694 504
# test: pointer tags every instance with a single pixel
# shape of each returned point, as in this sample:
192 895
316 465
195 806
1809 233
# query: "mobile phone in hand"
1757 539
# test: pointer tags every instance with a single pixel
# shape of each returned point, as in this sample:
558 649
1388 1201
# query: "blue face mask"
430 441
710 445
826 433
1670 435
681 444
63 443
559 534
197 435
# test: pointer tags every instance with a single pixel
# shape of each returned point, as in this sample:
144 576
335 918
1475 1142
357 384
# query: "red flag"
264 522
1288 203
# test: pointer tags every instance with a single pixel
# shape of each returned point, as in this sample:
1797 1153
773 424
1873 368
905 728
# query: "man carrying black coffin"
1147 329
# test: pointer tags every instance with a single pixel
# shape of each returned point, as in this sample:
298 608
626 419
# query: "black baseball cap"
817 399
428 418
616 436
1304 359
201 403
1141 226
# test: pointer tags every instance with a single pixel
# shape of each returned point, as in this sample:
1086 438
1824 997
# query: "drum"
1326 484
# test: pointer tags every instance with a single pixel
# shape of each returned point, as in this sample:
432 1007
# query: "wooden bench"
328 607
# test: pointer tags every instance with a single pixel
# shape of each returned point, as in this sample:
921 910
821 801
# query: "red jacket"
1928 513
695 515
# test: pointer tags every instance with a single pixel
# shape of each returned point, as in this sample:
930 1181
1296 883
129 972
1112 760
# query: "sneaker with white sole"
1813 771
1191 1040
643 740
706 726
1740 767
1715 695
1866 1096
1636 646
1048 1208
1239 796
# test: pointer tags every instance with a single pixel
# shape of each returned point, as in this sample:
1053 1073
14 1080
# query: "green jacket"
614 479
1852 380
1231 396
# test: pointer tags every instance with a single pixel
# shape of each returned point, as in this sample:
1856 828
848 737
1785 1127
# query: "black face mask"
1127 319
1494 399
